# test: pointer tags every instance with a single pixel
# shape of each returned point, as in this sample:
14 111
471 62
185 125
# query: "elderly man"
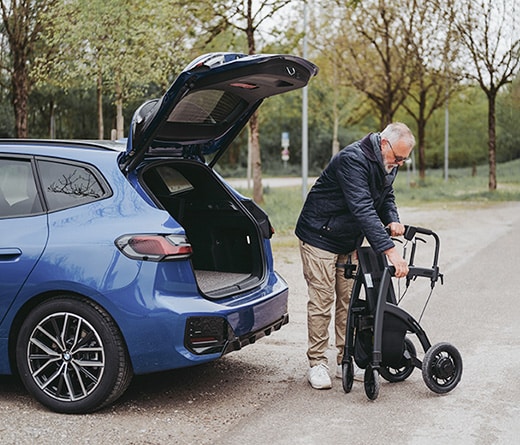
352 199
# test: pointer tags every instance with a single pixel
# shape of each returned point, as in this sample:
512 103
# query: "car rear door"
208 105
23 226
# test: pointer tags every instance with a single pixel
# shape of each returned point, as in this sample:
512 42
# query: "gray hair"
398 131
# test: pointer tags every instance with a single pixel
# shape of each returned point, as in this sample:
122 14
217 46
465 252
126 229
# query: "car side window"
18 192
68 185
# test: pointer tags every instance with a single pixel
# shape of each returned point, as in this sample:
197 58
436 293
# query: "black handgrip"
411 231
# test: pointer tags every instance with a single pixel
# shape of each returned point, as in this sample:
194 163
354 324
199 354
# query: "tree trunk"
20 82
492 142
258 194
386 116
421 139
335 140
421 136
335 121
99 92
120 130
52 120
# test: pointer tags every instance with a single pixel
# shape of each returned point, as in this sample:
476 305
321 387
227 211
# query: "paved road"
271 182
260 395
477 310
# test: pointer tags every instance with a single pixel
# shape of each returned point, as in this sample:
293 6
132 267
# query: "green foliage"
283 206
467 141
74 111
116 48
129 44
508 117
143 46
464 184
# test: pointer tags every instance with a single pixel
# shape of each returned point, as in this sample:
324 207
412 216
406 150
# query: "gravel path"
260 395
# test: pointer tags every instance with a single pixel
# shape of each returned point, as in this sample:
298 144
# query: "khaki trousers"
327 288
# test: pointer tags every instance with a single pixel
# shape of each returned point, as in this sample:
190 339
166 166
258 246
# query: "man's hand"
401 267
396 229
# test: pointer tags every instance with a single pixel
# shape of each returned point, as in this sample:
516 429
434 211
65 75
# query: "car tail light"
154 247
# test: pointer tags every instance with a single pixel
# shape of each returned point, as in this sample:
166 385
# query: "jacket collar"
371 147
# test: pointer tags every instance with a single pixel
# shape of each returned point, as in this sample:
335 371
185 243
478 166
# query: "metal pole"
248 158
446 139
305 141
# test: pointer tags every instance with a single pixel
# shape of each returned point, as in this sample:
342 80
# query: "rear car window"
202 115
68 185
18 193
208 107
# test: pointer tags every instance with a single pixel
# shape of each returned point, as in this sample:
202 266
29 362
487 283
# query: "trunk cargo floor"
210 280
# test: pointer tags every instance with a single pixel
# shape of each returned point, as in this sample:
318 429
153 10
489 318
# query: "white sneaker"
318 377
359 373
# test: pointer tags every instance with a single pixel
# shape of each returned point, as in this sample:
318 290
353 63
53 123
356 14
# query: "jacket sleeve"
388 210
354 179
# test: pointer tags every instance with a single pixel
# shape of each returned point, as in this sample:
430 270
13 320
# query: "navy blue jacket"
352 198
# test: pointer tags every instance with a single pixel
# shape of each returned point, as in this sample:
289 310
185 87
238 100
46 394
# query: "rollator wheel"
405 368
347 370
371 381
442 368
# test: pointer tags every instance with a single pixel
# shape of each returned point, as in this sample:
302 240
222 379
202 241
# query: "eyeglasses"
396 157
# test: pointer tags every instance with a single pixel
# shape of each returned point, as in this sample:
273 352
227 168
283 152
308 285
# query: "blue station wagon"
133 257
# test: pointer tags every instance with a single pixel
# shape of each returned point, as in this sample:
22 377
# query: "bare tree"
434 50
491 35
343 105
22 24
373 50
247 17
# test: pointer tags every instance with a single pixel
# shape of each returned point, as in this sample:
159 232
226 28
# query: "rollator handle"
411 231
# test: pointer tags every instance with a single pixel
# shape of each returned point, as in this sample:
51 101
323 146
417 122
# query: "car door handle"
9 253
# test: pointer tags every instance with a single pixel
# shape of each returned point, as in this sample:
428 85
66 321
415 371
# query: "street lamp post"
305 131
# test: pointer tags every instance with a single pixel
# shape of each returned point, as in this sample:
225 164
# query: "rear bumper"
251 338
214 335
182 332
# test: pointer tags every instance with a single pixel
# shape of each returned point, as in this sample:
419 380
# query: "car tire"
71 356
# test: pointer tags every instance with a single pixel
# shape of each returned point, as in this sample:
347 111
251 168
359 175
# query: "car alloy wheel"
71 357
66 356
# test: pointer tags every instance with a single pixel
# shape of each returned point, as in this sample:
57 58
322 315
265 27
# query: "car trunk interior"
227 246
